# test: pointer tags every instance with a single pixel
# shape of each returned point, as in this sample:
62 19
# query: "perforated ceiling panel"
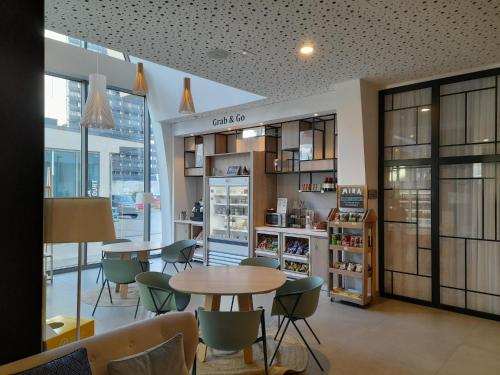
382 40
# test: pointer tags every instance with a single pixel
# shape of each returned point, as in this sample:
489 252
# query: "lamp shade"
144 198
187 105
140 86
77 220
97 113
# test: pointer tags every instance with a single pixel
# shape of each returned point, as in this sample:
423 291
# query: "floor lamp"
80 220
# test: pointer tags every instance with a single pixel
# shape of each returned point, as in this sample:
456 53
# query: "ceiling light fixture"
140 86
315 114
306 49
425 110
97 113
187 105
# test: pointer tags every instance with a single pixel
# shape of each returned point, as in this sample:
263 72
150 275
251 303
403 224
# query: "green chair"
259 262
111 255
179 252
232 330
156 294
120 272
297 300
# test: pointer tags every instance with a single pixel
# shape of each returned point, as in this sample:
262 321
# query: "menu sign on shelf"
352 196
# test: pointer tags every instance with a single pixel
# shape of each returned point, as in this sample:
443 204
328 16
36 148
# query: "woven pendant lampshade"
97 113
140 86
187 105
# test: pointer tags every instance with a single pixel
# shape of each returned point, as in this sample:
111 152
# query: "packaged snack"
342 266
346 240
344 216
359 268
351 266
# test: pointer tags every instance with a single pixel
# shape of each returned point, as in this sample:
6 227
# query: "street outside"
65 255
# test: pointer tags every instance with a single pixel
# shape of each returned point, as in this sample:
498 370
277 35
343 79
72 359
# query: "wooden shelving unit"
352 285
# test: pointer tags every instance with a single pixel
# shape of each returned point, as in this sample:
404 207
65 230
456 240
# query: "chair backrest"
184 249
121 271
305 290
229 330
157 295
261 262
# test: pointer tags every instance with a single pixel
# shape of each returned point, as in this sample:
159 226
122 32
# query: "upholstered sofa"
122 342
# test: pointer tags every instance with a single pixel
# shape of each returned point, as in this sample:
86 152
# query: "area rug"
89 296
292 358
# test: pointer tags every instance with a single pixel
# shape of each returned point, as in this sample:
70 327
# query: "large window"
114 162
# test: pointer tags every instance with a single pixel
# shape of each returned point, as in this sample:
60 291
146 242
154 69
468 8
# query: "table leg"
245 303
212 303
123 288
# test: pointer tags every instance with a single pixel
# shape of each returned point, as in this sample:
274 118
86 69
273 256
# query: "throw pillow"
166 358
74 363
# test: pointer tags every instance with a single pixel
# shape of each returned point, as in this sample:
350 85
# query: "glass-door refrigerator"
228 220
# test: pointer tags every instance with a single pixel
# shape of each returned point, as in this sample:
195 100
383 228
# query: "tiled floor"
390 337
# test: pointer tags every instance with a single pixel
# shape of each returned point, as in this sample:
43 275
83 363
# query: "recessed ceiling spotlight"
425 109
261 123
191 135
229 128
306 49
245 52
315 114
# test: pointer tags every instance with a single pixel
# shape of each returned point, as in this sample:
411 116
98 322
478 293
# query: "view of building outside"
115 161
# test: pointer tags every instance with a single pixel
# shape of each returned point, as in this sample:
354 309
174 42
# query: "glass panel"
218 212
121 166
452 120
480 149
62 151
63 38
461 208
424 125
452 297
407 177
388 102
483 266
424 262
400 251
388 281
400 127
424 219
473 84
400 205
413 98
238 209
105 51
483 302
481 116
452 262
412 286
412 152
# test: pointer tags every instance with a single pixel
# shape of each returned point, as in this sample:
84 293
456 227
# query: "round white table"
241 281
125 249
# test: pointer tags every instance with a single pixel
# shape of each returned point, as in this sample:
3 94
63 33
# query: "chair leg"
193 371
279 342
164 266
109 291
98 273
189 264
176 267
137 307
279 326
232 303
310 329
185 265
264 339
307 345
98 298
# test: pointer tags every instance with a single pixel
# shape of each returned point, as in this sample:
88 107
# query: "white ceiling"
385 41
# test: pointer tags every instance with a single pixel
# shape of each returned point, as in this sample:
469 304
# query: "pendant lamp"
187 105
140 86
97 113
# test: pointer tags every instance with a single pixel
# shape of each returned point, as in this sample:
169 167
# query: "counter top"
304 232
192 222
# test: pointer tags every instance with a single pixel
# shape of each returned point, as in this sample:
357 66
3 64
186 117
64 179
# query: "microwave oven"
275 219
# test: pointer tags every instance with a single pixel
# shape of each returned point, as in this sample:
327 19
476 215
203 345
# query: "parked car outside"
125 205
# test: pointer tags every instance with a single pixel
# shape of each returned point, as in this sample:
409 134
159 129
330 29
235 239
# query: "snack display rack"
351 230
268 244
295 258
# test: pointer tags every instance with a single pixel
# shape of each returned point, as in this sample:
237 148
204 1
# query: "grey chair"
179 252
120 272
156 294
111 255
297 300
232 330
259 262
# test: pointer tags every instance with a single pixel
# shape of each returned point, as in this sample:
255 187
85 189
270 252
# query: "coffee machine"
197 211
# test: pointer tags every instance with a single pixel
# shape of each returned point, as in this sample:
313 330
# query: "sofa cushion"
166 358
74 363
